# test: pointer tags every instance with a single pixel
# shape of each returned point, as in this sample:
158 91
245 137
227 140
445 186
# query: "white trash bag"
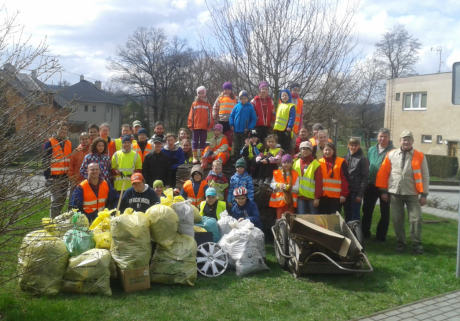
226 223
186 217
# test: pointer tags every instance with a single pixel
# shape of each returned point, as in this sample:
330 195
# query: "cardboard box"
135 279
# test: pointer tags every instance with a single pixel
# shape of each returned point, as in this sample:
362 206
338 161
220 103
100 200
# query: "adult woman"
98 155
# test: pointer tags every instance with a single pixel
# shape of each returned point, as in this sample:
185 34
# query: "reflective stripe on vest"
226 105
196 199
60 159
91 202
126 163
148 148
221 206
416 164
332 185
282 116
307 180
277 199
298 116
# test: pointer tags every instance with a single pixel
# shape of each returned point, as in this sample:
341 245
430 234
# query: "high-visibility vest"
277 199
298 116
91 202
272 151
221 206
282 116
119 144
385 170
332 181
137 149
125 163
196 199
314 143
60 159
226 105
307 180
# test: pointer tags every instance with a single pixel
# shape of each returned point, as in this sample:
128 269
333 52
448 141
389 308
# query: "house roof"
85 91
24 84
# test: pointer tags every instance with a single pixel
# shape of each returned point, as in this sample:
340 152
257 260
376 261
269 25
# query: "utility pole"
438 49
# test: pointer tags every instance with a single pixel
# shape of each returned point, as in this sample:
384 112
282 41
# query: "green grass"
272 295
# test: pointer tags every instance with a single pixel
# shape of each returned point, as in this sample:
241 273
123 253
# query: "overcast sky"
84 33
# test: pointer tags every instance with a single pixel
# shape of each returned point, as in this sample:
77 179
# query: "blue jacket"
248 211
76 199
176 156
238 181
243 117
292 112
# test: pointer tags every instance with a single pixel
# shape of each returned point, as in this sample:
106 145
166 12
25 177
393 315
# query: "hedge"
442 166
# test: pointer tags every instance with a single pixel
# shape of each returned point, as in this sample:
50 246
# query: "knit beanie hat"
211 191
126 138
201 88
142 131
240 163
243 93
158 183
219 127
227 85
196 168
263 84
286 158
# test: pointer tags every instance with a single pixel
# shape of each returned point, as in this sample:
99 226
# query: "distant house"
89 104
423 105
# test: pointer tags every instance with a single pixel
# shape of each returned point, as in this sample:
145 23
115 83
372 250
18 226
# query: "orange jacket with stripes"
332 179
60 159
200 115
196 199
277 199
91 202
298 116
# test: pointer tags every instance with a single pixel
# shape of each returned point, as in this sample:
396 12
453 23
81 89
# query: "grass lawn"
272 295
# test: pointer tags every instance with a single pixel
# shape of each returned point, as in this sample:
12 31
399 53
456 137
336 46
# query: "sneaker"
418 250
400 247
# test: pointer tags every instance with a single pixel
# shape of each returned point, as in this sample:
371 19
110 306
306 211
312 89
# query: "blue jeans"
306 207
352 208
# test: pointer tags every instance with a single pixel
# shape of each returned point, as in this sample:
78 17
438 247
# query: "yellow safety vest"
119 144
307 180
125 163
282 116
221 206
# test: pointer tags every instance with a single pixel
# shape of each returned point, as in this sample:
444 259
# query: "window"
86 107
398 96
427 139
439 139
94 109
414 101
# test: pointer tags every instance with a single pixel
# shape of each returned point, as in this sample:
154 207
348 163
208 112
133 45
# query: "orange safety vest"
298 116
60 160
196 199
137 149
332 180
91 202
277 199
385 170
314 143
226 105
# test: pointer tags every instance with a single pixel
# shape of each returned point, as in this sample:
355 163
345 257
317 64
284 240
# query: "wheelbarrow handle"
277 244
370 268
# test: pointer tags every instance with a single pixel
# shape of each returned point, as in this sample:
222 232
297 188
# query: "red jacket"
200 115
264 110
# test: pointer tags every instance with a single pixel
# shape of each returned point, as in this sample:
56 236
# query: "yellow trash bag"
198 229
101 229
177 264
64 222
169 198
88 273
196 214
164 224
130 247
42 260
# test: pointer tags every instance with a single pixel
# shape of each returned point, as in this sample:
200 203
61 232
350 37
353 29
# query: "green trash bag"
164 224
88 273
130 247
176 264
42 260
78 239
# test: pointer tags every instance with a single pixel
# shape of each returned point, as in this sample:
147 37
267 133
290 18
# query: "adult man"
176 157
376 156
93 131
295 90
404 175
76 159
57 161
315 129
93 194
158 131
136 126
139 197
124 163
125 130
143 148
320 143
156 163
104 132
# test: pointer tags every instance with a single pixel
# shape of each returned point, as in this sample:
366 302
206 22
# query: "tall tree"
398 52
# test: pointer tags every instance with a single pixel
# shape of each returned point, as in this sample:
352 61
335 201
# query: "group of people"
267 145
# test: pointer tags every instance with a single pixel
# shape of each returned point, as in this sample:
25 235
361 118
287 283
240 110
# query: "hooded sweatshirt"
139 201
175 155
243 117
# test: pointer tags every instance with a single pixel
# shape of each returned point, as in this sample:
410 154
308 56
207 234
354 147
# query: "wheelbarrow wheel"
282 237
293 262
211 260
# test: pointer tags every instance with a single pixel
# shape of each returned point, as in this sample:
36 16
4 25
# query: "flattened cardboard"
135 279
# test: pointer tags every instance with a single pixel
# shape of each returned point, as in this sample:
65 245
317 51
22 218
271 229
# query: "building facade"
423 105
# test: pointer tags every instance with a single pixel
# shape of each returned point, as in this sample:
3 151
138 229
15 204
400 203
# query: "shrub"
442 166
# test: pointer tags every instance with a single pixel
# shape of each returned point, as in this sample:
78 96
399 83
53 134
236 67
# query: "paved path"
442 307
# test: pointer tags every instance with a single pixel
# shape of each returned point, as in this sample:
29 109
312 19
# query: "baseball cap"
306 144
137 123
137 178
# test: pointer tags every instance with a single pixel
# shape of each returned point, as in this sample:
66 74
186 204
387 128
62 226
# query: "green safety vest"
221 206
125 163
307 180
272 151
282 116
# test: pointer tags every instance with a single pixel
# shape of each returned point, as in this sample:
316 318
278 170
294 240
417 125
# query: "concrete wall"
439 118
102 113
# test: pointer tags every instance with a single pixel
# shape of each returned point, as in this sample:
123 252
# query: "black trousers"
371 195
171 178
329 205
262 133
284 139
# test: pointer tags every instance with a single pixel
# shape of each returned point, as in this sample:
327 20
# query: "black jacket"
358 172
155 167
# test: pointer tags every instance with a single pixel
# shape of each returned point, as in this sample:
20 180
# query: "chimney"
98 84
82 77
33 74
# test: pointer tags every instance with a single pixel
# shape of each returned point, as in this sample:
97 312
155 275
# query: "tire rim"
211 260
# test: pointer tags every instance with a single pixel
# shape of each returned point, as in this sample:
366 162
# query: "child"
184 133
269 160
263 105
240 179
223 108
285 117
176 157
194 189
245 208
199 121
218 180
158 187
285 186
187 149
218 148
251 149
242 119
303 136
212 207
